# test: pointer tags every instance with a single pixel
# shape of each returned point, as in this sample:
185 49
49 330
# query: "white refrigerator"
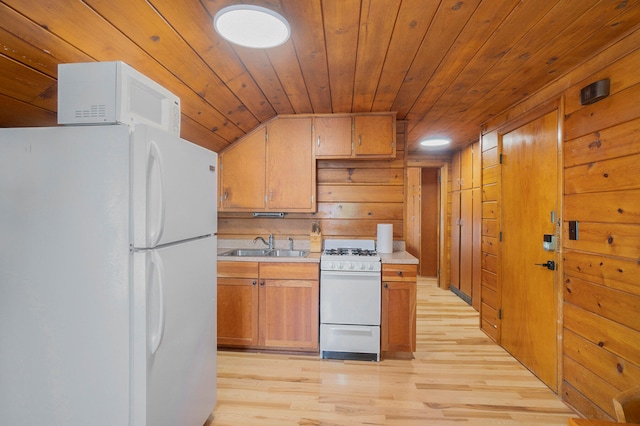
107 277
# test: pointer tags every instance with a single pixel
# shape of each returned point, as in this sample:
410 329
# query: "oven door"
350 298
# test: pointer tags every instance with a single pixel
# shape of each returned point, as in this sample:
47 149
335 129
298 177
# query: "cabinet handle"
226 195
271 196
318 141
359 140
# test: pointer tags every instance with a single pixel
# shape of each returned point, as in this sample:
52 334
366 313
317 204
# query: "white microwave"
114 92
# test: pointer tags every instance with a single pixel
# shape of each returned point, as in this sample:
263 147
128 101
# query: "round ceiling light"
435 142
251 26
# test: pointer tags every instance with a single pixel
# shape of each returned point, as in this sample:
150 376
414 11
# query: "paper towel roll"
385 238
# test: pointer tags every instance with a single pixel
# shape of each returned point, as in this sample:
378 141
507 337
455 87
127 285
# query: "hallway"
458 376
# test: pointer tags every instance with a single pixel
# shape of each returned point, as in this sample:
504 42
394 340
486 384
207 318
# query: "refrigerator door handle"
157 278
155 196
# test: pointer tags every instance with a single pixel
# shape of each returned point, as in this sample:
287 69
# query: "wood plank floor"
457 376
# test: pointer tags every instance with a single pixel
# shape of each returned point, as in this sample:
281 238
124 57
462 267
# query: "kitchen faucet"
270 243
290 243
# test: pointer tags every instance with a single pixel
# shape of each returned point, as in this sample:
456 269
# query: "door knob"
549 264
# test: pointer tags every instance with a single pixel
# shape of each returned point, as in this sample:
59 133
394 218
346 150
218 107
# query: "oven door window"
350 298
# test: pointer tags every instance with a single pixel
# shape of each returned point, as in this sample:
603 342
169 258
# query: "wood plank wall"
602 267
600 271
353 197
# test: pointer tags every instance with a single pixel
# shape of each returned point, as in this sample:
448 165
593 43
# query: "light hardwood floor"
457 376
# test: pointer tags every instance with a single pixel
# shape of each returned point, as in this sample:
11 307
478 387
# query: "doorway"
429 222
529 212
426 216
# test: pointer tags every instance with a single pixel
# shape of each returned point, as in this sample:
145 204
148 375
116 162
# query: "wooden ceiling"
445 66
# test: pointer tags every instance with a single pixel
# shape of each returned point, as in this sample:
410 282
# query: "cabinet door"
455 240
455 171
237 311
466 168
242 174
289 316
291 171
374 135
466 242
398 322
332 137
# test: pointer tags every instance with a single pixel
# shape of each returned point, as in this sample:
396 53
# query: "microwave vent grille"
94 111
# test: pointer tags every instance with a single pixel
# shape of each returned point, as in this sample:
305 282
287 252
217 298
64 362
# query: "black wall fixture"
594 92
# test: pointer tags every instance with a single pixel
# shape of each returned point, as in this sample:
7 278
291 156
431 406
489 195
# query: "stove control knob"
361 265
350 265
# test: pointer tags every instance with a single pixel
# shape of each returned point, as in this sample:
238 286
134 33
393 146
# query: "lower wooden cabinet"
398 322
268 305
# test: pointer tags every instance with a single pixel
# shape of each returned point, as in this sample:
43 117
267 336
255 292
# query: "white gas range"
350 300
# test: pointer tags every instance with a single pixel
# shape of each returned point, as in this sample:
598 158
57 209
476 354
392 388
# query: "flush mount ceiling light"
251 26
435 142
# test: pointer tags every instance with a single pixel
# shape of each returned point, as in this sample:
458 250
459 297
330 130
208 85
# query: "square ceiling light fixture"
251 26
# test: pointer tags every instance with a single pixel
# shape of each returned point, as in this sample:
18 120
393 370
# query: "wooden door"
466 242
374 135
529 206
242 174
290 166
332 137
455 240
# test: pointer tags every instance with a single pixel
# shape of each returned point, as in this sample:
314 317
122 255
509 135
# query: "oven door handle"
328 274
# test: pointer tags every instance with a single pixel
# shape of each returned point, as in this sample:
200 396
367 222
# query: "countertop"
398 257
395 257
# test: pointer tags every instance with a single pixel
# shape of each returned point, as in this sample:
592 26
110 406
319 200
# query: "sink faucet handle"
290 243
270 241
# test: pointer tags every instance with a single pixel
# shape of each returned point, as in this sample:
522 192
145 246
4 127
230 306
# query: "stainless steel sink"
246 252
288 253
265 253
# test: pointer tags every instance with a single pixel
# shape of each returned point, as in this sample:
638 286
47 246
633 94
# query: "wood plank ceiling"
445 66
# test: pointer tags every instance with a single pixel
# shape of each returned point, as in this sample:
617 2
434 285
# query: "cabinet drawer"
230 269
396 272
293 270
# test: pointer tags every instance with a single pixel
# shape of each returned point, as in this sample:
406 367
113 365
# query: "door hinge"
500 158
500 236
500 313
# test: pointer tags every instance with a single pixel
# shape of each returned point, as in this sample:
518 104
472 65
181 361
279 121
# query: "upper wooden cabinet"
374 135
242 174
271 169
355 136
332 136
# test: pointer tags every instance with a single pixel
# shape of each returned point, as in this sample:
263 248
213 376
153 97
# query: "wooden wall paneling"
361 193
16 113
413 216
613 304
616 141
490 228
612 368
602 193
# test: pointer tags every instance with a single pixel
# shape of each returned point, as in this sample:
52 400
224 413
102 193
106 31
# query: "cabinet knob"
399 273
386 285
261 283
254 283
318 141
